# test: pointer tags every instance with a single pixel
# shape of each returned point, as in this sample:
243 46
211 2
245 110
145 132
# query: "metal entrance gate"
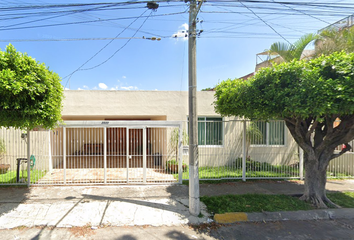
112 152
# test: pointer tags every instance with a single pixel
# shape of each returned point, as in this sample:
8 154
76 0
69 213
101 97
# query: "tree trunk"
315 183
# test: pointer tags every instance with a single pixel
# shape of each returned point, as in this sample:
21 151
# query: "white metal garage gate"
114 152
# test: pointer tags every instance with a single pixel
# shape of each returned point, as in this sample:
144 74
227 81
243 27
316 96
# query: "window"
210 131
267 133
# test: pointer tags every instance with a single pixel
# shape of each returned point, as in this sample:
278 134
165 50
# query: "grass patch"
10 176
267 171
254 169
253 203
229 172
220 181
343 199
269 203
337 175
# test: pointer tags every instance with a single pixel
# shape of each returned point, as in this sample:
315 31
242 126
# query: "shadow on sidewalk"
170 206
11 197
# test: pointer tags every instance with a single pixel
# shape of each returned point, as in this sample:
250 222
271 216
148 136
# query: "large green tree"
30 94
309 96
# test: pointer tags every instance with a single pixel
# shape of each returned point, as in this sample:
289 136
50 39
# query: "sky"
102 45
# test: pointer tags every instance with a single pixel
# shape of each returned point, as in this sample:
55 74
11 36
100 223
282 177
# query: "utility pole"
194 202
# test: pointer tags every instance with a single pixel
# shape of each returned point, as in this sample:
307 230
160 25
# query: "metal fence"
92 153
267 152
153 152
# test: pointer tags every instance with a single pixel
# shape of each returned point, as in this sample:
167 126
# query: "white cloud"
182 32
66 88
184 26
129 88
80 89
85 87
124 77
102 86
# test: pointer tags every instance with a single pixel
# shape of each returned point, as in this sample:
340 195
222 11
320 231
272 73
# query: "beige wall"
135 105
170 106
231 149
16 147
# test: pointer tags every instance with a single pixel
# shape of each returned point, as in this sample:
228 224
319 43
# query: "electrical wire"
305 13
80 68
267 24
259 12
83 22
72 39
85 69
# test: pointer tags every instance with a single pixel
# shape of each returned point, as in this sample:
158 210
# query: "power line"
267 24
303 12
79 68
17 15
245 23
91 21
85 69
66 13
112 5
74 39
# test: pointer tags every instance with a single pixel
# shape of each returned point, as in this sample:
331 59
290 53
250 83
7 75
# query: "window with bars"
268 133
210 131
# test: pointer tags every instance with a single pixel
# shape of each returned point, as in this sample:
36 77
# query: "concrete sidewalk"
157 205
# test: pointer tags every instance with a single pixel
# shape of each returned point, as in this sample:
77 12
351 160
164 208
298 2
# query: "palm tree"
335 40
289 52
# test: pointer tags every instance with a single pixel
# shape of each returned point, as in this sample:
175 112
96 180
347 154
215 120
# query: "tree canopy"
310 96
299 89
30 94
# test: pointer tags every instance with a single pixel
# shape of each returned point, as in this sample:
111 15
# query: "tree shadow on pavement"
127 237
11 197
170 207
177 235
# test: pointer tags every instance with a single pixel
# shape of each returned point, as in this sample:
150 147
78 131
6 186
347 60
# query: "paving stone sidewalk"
158 205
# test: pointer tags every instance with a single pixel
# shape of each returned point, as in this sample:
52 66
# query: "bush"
172 166
252 164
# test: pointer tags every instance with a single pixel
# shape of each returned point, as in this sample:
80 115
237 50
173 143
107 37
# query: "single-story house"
137 130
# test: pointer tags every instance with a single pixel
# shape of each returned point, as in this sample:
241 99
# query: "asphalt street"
339 229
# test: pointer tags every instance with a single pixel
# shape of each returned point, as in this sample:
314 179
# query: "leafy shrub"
171 166
252 164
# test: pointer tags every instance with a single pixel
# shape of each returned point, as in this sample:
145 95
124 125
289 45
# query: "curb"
320 214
